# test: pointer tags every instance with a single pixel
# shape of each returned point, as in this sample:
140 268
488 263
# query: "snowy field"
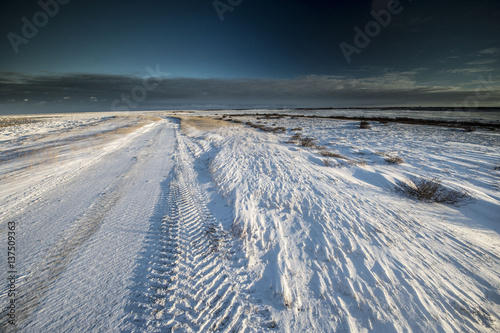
159 222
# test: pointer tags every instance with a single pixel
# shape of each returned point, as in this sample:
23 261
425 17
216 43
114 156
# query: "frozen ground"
132 224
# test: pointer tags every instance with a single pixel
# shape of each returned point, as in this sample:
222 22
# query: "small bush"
358 162
327 153
279 129
308 142
364 124
296 137
431 190
327 162
296 129
394 160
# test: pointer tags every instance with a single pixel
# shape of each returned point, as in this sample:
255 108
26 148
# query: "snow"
126 223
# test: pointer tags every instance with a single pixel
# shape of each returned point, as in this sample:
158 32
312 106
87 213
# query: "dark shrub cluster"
327 153
432 190
394 160
308 142
364 124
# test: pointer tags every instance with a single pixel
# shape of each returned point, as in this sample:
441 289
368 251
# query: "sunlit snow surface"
126 223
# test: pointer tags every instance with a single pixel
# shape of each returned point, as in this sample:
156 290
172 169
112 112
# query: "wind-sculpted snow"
343 254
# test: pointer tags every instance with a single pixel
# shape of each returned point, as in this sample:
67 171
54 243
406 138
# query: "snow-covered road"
81 223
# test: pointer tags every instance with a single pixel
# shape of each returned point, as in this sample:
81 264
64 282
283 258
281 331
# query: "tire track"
202 295
188 285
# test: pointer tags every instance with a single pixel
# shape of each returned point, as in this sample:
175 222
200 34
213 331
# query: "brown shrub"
432 190
364 124
327 153
394 160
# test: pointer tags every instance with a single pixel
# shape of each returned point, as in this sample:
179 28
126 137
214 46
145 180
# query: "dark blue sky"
263 52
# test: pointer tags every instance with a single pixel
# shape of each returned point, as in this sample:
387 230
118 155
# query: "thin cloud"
491 51
482 62
390 88
470 70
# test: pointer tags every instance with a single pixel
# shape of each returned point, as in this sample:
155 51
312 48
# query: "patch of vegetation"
11 121
273 116
296 129
264 128
358 162
308 142
364 124
432 190
279 129
394 160
327 153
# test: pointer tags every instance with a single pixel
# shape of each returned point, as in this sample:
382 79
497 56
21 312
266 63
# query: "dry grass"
202 123
364 124
151 118
432 190
469 129
394 160
265 128
307 142
13 120
358 162
327 153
